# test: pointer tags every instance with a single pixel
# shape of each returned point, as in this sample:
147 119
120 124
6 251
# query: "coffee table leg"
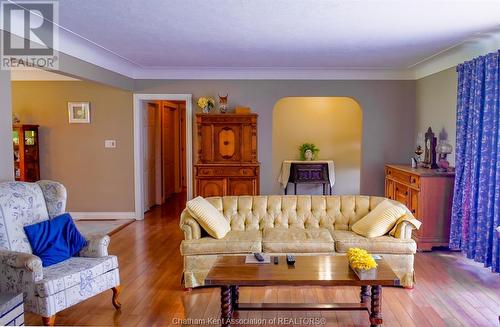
364 295
225 306
376 306
235 292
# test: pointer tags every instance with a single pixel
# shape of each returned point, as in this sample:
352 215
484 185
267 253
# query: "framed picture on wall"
79 112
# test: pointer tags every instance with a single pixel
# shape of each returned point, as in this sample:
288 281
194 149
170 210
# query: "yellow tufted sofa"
290 224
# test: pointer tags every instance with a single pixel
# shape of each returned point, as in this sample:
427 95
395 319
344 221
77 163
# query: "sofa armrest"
97 246
404 227
55 197
190 227
12 261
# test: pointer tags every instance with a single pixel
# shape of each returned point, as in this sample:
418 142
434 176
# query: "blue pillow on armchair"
55 240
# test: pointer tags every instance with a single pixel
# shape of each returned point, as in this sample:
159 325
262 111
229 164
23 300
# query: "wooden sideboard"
227 155
428 194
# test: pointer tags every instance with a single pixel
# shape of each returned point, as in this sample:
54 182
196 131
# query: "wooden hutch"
26 152
227 155
428 194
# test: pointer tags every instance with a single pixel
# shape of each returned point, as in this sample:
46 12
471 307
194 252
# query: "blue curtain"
476 201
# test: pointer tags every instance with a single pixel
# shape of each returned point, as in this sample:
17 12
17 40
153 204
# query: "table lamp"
443 149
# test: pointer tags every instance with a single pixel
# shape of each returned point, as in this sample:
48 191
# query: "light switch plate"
110 144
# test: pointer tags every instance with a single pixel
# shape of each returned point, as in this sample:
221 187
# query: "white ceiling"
192 35
278 33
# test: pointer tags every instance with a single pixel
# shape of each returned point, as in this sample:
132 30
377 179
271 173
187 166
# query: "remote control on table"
290 259
258 256
276 260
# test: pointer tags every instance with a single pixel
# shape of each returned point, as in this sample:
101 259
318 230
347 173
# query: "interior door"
182 109
149 121
168 148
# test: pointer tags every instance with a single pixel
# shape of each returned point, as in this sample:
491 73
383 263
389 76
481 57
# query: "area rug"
101 227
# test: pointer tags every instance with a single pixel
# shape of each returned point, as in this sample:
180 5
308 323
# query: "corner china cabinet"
26 152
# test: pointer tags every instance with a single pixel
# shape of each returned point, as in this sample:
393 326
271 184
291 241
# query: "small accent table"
231 272
308 172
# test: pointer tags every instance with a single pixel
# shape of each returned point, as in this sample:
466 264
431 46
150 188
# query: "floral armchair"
48 290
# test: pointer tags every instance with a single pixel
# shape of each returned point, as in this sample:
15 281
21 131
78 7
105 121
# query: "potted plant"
362 263
308 151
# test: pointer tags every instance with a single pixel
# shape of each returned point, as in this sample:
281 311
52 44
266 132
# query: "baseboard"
103 215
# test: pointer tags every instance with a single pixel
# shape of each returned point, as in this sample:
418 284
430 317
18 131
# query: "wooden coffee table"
231 272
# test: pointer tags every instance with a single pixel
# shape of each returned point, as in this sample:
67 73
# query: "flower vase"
206 109
364 274
308 155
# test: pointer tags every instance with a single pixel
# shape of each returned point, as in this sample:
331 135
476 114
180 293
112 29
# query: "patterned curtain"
476 201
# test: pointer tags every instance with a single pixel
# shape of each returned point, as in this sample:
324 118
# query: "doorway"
333 124
162 149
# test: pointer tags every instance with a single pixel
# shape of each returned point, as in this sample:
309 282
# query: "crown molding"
39 75
451 57
257 73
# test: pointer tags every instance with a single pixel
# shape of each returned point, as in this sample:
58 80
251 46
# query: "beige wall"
6 154
97 179
388 116
333 124
436 105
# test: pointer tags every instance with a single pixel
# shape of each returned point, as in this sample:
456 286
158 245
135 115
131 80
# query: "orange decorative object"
243 110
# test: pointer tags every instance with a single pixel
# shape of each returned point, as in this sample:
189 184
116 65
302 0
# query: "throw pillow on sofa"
212 221
55 240
379 221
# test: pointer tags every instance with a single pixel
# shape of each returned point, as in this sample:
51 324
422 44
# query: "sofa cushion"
234 242
379 221
71 272
344 240
297 240
211 219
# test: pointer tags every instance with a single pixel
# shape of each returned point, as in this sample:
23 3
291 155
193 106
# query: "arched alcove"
333 124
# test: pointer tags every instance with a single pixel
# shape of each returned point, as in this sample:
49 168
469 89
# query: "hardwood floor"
450 290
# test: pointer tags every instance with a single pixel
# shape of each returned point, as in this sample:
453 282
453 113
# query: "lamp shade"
444 147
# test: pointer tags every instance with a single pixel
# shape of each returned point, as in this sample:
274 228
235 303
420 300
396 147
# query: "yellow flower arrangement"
361 259
206 102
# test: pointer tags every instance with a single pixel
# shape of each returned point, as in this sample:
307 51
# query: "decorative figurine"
418 152
430 150
15 119
223 103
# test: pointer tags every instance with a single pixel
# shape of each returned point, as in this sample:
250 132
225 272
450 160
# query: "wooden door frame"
139 100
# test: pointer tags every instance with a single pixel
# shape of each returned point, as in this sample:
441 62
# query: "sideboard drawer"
403 177
226 171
